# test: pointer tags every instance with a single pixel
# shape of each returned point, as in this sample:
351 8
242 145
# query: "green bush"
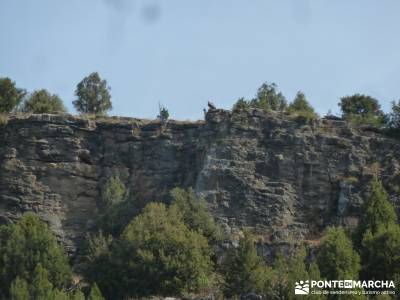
114 191
241 103
369 120
41 101
305 116
163 114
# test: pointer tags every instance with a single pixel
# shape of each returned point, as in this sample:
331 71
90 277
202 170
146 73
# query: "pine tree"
381 253
268 98
297 272
336 258
377 211
78 295
19 290
378 236
315 274
26 245
10 95
59 295
95 293
93 95
288 271
41 287
300 103
245 272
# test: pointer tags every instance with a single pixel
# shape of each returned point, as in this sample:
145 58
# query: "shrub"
10 95
241 103
41 101
371 120
305 116
93 95
163 114
113 192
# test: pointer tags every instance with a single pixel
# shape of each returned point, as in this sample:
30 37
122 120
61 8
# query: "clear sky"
182 53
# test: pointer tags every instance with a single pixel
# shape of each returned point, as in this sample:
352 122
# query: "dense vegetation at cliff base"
177 249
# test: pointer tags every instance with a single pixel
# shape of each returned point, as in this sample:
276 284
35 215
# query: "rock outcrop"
284 178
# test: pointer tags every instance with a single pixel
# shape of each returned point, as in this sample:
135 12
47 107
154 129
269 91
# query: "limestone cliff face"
283 178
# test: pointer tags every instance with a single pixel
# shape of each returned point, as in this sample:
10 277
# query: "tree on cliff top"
41 101
93 95
394 116
300 103
10 95
269 98
362 109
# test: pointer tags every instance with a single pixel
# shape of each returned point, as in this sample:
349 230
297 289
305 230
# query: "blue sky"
183 53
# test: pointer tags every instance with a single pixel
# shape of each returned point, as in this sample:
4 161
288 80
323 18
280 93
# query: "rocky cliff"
284 178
